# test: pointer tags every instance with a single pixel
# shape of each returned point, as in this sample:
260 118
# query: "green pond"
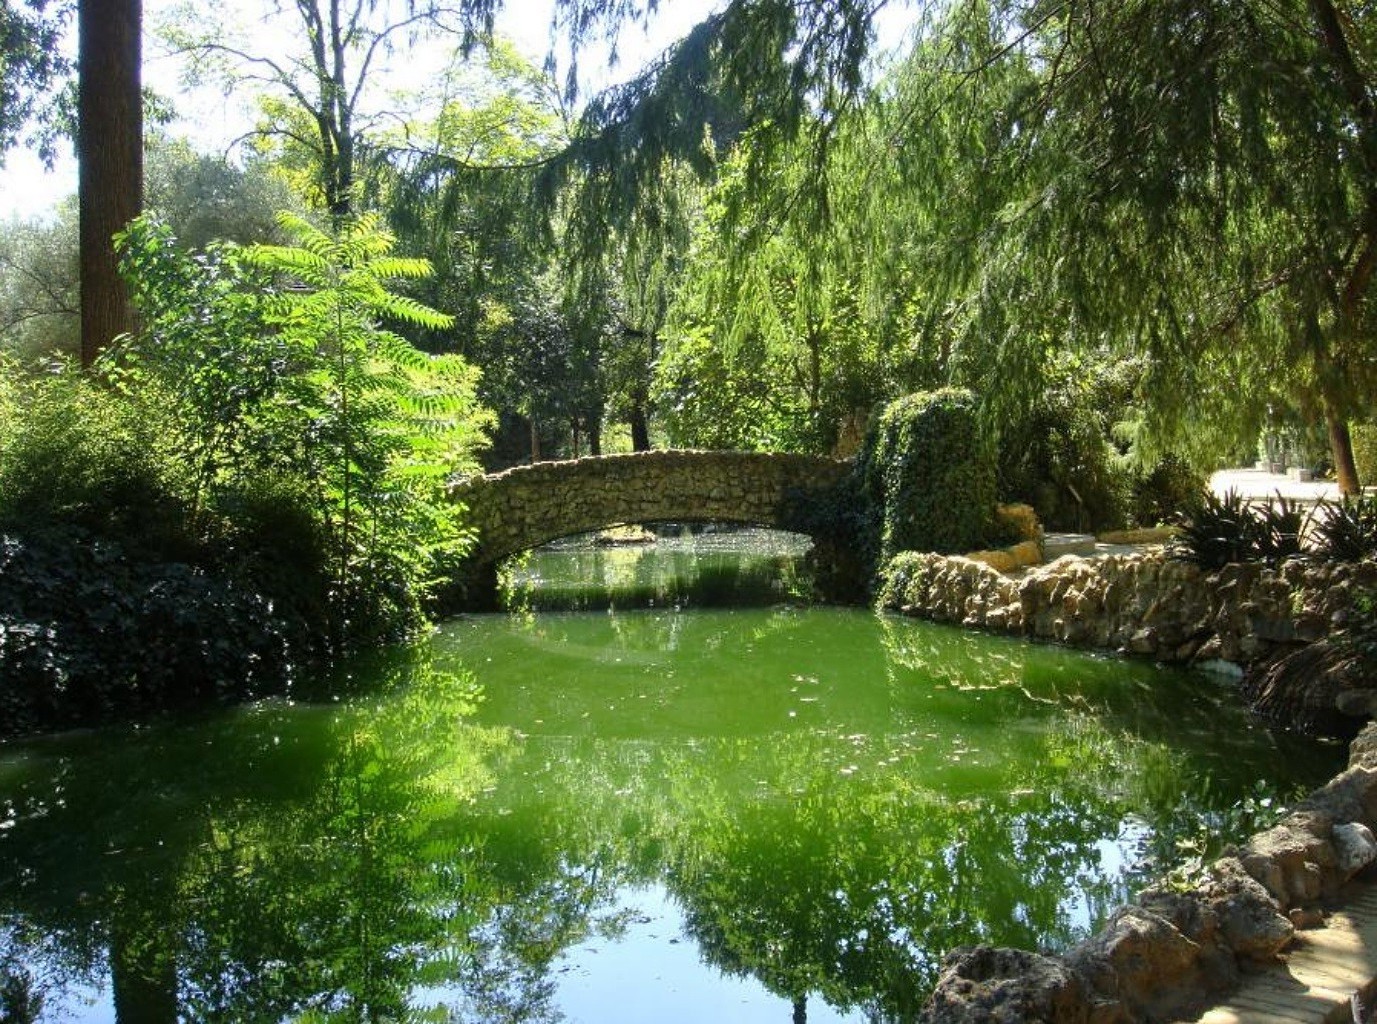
670 814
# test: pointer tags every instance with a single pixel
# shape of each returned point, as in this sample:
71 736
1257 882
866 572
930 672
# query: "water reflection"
672 568
816 803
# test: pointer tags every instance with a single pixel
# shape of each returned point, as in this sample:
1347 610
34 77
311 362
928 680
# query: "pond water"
779 813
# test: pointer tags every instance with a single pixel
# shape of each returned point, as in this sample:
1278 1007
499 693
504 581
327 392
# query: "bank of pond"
673 812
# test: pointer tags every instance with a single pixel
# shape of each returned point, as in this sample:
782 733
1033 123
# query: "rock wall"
1140 603
1172 952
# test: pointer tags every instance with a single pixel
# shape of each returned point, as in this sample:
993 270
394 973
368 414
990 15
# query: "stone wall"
1171 952
1140 603
527 506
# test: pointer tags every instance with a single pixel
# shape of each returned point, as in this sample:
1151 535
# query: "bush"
1166 492
73 452
1060 453
927 469
1347 532
1220 530
1364 436
89 634
277 366
113 602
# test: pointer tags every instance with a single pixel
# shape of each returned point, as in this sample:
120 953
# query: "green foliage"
38 286
1219 530
1222 529
1282 527
927 466
382 426
259 475
31 60
1347 532
769 345
206 199
1059 455
113 602
1164 492
92 632
73 453
1364 437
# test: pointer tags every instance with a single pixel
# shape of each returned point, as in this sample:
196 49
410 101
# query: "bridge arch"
524 507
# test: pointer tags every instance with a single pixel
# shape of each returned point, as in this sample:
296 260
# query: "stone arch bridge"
527 506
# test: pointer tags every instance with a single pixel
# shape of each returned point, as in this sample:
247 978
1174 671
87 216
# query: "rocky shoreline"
1174 951
1242 619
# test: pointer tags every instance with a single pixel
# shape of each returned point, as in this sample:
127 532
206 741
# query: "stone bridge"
527 506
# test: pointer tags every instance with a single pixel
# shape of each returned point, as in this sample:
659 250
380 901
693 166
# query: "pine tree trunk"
110 154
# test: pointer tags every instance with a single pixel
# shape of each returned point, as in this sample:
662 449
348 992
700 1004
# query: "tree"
200 198
457 187
316 100
206 199
1217 169
30 61
1190 183
769 344
39 286
110 155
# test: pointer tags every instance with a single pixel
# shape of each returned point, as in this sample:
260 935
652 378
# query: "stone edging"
1170 953
1140 603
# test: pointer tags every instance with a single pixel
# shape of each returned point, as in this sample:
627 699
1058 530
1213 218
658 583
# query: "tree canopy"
1191 184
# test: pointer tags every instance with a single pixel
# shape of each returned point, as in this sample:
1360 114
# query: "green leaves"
927 471
274 364
387 424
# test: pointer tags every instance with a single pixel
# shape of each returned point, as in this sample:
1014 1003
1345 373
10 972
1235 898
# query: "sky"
212 120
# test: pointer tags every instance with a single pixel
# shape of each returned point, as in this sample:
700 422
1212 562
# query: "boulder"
1249 921
1355 848
1009 986
1153 970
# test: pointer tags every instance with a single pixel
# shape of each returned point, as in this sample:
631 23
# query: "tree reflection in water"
400 859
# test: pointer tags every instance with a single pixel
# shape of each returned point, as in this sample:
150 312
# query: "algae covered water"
739 815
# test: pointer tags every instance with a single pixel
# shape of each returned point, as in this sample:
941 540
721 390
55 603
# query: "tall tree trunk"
640 427
110 155
595 431
1341 448
535 440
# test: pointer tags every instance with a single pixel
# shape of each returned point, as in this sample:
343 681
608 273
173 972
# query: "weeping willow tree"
1196 182
1190 181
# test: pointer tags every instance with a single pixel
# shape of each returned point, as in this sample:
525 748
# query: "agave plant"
1347 532
1281 529
1218 530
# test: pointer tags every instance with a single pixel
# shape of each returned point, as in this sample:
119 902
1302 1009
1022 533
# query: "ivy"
926 465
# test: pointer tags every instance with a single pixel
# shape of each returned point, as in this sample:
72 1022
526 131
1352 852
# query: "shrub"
928 470
276 364
1281 527
1165 492
1058 454
1217 531
1224 529
1364 437
1347 532
72 452
90 634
